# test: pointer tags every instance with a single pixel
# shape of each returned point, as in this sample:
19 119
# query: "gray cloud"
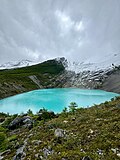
43 29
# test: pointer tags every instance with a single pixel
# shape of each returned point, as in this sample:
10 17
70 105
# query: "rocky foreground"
78 134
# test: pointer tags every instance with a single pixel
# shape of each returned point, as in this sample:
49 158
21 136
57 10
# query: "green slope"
18 80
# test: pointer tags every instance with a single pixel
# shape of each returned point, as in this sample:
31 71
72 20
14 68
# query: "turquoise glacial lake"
53 99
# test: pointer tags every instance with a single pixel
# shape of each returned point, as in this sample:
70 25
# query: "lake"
53 99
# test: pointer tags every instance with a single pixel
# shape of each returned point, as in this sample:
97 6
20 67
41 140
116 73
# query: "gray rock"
2 154
19 154
30 135
37 155
47 151
19 121
116 151
59 133
27 120
5 152
118 154
100 152
36 142
15 123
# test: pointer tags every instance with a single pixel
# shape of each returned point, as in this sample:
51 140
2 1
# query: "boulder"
59 133
19 121
15 123
47 151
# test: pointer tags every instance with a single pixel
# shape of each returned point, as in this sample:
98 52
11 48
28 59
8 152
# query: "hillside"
43 75
80 134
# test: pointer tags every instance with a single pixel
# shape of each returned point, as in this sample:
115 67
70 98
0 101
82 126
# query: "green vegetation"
73 107
93 132
18 80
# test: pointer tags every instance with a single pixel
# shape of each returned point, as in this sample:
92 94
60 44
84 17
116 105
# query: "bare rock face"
36 80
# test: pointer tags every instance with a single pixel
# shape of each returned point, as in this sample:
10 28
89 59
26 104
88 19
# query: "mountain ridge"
106 63
56 74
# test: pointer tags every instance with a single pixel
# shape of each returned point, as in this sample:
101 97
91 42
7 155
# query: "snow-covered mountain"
16 64
106 63
93 74
93 64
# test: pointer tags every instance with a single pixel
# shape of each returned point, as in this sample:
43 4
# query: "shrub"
44 114
29 112
65 110
72 107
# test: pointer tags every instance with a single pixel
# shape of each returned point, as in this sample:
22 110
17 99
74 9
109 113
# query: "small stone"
30 135
86 158
59 133
73 119
91 131
100 152
20 153
41 157
47 152
37 155
82 150
65 121
118 154
36 142
98 119
114 150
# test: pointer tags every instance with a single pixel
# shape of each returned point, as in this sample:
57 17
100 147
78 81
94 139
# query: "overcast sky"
42 29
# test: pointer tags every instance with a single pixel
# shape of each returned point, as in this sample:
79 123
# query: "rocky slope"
108 80
104 74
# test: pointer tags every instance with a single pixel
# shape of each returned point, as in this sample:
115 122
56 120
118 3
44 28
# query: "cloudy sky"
42 29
